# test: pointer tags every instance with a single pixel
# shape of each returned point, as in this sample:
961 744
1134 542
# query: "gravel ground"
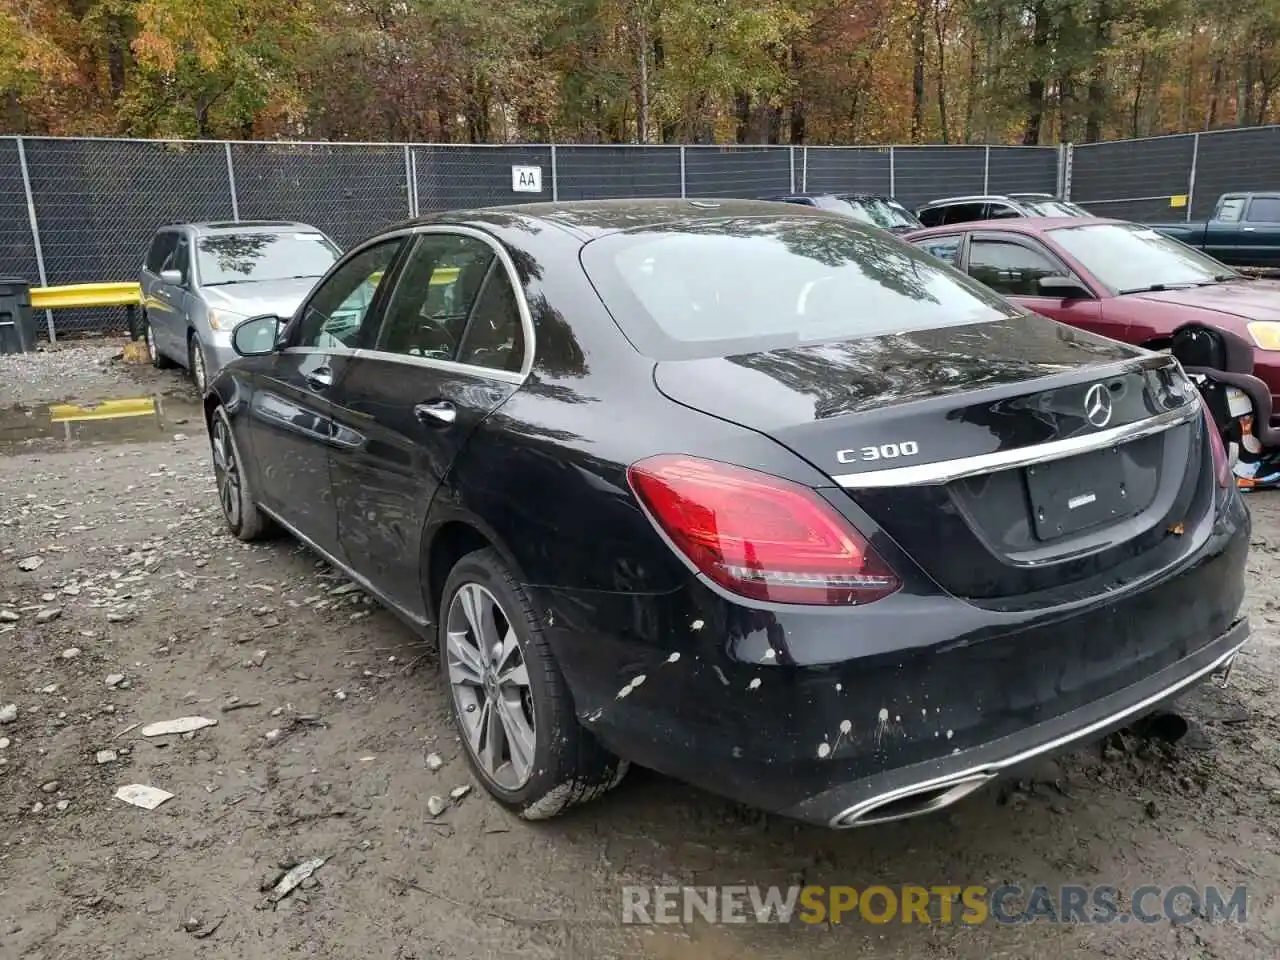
142 609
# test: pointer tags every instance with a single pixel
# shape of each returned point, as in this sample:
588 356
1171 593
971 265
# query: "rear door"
1222 233
450 349
291 418
1013 266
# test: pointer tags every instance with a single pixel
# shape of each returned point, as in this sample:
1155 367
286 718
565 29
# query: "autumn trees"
621 71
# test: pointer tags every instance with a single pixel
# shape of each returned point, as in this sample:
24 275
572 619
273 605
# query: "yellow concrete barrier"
106 410
124 294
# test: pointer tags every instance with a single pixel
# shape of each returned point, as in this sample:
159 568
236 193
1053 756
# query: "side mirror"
1063 288
257 336
171 277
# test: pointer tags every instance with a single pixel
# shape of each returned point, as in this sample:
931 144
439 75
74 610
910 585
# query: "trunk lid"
941 437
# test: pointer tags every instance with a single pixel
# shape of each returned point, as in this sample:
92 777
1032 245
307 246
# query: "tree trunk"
1135 110
642 93
1215 89
1096 96
938 33
971 88
797 119
1035 86
917 78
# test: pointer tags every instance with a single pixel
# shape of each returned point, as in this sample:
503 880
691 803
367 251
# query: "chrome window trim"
447 366
944 471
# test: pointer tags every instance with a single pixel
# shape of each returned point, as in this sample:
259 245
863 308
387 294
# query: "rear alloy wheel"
158 359
195 363
235 494
510 702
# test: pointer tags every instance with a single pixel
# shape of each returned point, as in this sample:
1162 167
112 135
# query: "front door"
291 422
1013 266
449 351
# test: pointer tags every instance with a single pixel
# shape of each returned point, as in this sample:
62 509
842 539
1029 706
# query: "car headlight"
225 319
1266 334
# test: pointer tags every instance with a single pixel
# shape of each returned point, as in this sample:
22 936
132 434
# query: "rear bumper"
822 714
926 787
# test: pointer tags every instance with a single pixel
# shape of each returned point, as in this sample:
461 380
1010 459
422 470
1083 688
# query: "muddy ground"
161 615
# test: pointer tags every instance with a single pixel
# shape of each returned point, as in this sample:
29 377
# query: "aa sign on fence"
526 179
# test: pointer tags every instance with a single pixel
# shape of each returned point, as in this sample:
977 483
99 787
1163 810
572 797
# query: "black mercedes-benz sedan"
751 494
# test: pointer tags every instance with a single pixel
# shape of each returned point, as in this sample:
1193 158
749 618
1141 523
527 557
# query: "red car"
1120 279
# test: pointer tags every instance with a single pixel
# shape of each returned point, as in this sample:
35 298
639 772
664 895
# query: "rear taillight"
758 535
1221 463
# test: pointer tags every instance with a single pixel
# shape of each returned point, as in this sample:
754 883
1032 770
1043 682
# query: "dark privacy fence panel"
615 173
1233 160
749 172
450 177
846 169
348 191
1132 179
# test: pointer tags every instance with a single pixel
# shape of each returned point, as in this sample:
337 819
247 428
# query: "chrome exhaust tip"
913 801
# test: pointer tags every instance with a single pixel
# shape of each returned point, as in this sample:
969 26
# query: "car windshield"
1131 258
224 258
1054 208
887 214
743 285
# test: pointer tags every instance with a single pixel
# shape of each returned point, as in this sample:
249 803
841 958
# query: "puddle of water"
123 420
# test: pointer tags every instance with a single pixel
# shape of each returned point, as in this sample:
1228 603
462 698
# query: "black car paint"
739 696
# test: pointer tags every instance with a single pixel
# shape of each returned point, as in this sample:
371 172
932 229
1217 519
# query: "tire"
566 765
196 364
158 359
235 491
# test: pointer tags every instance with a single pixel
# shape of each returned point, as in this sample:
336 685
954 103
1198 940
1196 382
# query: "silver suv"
201 279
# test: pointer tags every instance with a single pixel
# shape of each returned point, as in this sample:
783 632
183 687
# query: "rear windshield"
730 286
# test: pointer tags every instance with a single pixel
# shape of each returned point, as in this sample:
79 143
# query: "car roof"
833 196
1028 225
244 226
588 219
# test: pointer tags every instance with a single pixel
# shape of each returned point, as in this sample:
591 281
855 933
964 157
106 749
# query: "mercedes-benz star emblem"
1097 405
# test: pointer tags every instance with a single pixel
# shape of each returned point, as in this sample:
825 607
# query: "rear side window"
932 217
1264 210
723 287
944 248
965 212
1231 209
161 246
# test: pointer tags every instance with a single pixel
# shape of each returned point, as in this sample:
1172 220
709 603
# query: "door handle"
321 378
1248 229
436 411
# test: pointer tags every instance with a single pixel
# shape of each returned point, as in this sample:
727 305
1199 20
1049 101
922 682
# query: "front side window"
741 285
230 258
427 315
1009 268
1129 258
335 311
179 259
163 245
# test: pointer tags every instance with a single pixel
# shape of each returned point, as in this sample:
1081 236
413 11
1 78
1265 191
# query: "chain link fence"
83 210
